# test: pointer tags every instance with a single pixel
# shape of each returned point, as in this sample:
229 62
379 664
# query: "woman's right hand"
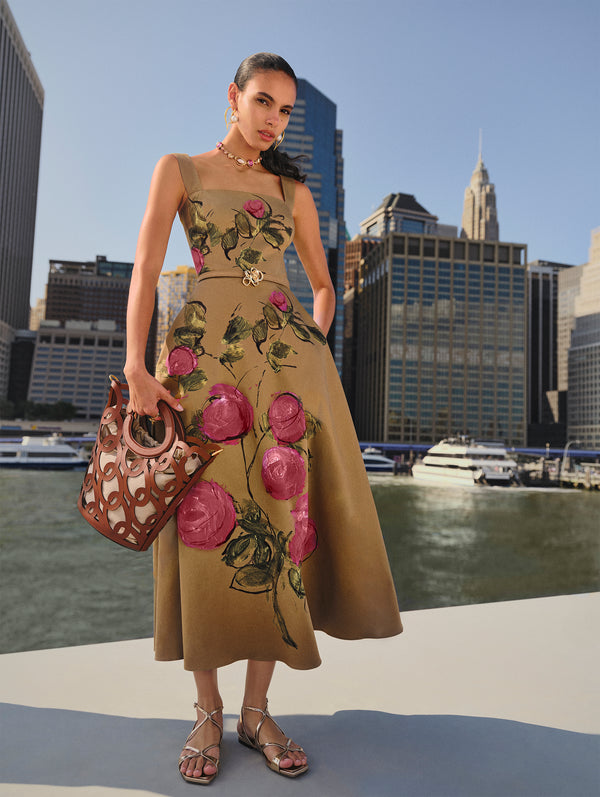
144 393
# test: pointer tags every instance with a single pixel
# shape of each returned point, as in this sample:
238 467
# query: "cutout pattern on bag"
134 483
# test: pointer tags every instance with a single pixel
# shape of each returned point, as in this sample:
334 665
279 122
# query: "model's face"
263 107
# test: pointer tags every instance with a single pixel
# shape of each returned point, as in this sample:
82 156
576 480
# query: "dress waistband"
238 275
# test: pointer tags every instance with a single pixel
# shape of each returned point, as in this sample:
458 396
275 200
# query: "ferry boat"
461 461
376 462
41 453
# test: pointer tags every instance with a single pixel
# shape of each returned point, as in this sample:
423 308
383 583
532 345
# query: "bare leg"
210 699
258 679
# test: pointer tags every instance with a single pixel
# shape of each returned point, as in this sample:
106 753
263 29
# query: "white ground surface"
498 699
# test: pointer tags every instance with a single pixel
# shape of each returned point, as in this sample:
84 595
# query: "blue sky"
128 80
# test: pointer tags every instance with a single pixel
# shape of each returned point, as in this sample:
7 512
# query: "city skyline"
112 108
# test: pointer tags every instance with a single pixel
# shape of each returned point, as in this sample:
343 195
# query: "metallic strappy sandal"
203 780
253 742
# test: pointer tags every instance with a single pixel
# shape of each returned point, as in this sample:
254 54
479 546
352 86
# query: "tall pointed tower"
479 220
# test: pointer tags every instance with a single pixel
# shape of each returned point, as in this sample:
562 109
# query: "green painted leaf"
200 227
252 579
242 224
249 257
300 331
312 424
272 237
184 336
238 329
253 525
316 333
238 551
232 354
280 349
195 316
273 362
250 511
214 232
259 332
295 580
271 316
229 240
264 424
262 552
193 381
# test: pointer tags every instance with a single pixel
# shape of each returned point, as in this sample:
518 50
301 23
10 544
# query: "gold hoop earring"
279 139
234 118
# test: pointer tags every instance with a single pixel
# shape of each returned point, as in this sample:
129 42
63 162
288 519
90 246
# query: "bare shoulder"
205 162
167 169
303 201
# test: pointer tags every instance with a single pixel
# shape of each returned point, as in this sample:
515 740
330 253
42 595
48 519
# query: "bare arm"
165 197
307 241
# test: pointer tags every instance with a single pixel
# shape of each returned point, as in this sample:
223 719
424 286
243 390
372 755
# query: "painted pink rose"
304 540
228 416
286 418
279 299
283 472
206 516
181 361
255 208
198 259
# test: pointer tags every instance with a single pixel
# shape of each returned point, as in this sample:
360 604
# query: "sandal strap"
195 753
208 717
264 715
199 754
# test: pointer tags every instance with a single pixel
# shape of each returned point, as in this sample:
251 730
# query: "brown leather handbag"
135 480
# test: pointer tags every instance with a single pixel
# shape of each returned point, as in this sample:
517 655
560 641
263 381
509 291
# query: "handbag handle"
173 426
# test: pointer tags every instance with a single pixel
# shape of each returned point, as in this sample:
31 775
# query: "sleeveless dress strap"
288 186
189 175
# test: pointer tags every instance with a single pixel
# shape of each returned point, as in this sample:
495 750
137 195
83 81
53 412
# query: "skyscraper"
312 132
480 220
583 396
441 340
546 421
21 109
174 288
93 291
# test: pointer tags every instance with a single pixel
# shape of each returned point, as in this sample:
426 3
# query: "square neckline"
201 187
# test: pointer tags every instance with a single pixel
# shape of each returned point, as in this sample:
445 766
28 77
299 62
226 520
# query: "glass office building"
312 132
21 110
440 332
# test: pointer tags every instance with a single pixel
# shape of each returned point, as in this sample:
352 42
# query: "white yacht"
40 453
376 462
462 461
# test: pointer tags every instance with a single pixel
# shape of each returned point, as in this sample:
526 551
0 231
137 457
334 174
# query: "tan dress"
281 536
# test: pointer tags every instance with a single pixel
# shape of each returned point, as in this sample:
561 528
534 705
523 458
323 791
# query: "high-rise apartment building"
568 290
583 396
440 335
546 415
21 109
480 219
72 362
93 291
174 289
312 132
356 250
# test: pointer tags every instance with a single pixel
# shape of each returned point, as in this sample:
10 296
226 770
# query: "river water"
61 583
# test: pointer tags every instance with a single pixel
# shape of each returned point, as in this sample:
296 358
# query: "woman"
281 535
